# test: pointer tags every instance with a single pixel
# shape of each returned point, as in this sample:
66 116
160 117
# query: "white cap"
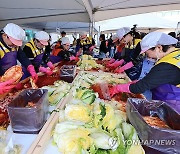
156 38
115 38
83 33
15 33
122 31
43 37
65 40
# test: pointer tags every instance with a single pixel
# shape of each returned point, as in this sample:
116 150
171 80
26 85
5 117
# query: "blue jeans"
102 55
111 53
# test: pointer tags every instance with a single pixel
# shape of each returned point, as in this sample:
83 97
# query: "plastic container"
29 119
156 139
67 73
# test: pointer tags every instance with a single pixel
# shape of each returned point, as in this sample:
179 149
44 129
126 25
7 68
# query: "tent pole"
90 29
98 34
89 7
92 26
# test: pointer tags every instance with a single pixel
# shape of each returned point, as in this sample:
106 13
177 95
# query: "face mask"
151 59
157 55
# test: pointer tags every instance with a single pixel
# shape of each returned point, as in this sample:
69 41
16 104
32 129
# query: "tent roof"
62 26
25 11
106 9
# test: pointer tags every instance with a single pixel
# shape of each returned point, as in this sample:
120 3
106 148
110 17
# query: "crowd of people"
151 61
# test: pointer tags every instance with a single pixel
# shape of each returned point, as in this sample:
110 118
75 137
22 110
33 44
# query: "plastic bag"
105 90
67 73
102 89
154 138
7 145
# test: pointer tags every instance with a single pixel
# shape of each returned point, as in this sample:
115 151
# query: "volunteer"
164 78
57 48
85 44
35 50
64 53
138 67
11 38
123 36
134 60
132 64
47 54
57 44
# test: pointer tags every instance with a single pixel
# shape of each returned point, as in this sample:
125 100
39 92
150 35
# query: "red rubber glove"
45 70
119 88
125 67
116 63
74 58
50 65
6 86
33 73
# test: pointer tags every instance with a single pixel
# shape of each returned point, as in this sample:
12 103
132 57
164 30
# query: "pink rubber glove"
91 48
119 88
125 67
45 70
117 63
74 58
112 60
50 65
33 73
19 86
78 53
6 86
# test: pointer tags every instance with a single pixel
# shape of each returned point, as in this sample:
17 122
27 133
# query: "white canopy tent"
25 11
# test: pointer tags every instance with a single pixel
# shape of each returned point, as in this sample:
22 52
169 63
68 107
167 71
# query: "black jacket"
103 47
64 54
163 73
